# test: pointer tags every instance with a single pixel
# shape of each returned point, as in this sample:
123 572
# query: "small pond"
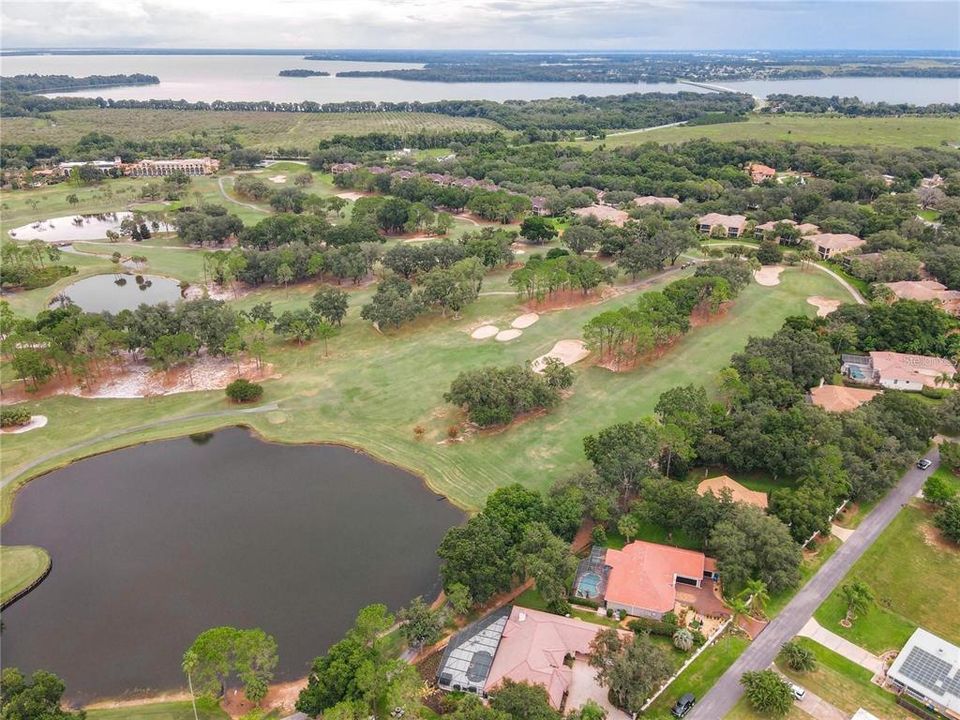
71 228
153 544
114 293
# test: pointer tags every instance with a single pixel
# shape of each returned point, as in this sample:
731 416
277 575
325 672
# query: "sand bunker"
350 195
525 320
484 331
566 351
769 275
505 335
824 306
278 179
36 422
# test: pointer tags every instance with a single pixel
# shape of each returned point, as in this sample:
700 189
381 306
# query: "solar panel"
930 672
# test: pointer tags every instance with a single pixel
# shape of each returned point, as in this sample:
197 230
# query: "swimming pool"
589 585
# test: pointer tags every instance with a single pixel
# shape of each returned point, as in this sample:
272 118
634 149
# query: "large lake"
153 544
254 77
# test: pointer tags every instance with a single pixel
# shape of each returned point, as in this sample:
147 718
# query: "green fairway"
902 132
20 566
260 130
160 711
375 388
913 580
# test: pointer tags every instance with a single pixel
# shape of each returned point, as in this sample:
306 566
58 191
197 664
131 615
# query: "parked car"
923 463
684 705
798 692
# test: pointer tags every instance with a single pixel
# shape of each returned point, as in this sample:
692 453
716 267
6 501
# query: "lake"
254 77
153 544
101 293
71 228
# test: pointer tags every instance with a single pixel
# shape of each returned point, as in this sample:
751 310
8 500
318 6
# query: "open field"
845 684
374 389
903 132
20 565
913 581
261 130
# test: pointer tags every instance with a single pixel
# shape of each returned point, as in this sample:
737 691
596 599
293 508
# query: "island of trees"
301 73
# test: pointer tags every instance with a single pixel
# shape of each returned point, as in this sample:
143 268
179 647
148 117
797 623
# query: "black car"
684 705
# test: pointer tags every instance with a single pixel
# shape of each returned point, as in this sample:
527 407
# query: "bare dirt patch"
352 196
485 331
824 306
215 292
934 538
36 422
278 179
569 299
566 351
768 275
525 320
507 335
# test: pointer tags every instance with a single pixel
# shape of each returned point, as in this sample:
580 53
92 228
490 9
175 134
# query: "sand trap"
505 335
36 422
769 275
566 351
484 331
525 320
824 306
350 195
278 179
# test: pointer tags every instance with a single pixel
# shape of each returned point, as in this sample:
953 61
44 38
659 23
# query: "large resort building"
160 168
733 225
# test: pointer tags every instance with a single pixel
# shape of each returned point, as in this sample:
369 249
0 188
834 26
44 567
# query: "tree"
168 351
769 252
459 598
749 544
73 199
937 490
548 560
494 396
537 230
477 556
950 455
623 454
330 303
393 304
580 238
858 598
325 331
631 669
39 698
299 325
756 593
628 527
419 624
523 700
767 693
30 364
798 657
242 390
683 640
948 521
221 652
557 374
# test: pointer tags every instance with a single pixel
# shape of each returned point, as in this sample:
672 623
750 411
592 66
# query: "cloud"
483 24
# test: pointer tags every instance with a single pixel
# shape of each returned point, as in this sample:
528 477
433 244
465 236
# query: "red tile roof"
643 573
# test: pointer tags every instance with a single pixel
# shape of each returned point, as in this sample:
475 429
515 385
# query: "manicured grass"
160 711
700 675
844 684
743 711
929 215
654 533
914 582
373 389
812 561
20 565
902 132
264 131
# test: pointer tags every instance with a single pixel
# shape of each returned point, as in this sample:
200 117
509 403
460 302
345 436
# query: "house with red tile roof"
840 398
830 245
760 173
733 224
738 493
603 213
648 200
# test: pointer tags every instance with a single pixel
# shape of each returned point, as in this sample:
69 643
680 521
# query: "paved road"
762 651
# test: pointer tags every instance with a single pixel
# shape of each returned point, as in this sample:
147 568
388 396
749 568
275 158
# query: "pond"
153 544
71 228
113 293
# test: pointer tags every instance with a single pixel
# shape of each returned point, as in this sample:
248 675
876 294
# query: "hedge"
14 416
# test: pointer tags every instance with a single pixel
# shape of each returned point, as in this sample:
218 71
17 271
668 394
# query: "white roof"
862 714
930 666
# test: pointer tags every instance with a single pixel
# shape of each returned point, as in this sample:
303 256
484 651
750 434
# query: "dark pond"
114 293
153 544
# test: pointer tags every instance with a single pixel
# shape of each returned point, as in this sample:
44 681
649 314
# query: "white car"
924 464
798 692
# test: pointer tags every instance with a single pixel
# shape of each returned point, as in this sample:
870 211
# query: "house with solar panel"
928 670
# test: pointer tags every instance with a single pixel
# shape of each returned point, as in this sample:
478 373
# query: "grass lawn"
743 711
953 479
263 131
160 711
845 684
700 675
901 132
914 582
929 215
20 565
352 399
652 532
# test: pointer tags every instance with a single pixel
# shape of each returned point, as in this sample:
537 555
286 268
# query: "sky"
484 24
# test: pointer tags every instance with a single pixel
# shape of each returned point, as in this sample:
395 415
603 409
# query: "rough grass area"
845 684
20 565
914 581
903 132
261 130
160 711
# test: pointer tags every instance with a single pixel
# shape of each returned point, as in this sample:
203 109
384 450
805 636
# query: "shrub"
798 657
767 693
453 432
14 416
654 627
419 431
934 393
937 491
242 390
948 521
683 640
560 606
599 535
699 638
585 602
670 618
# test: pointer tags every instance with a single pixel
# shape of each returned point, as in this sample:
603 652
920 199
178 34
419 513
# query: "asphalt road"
726 692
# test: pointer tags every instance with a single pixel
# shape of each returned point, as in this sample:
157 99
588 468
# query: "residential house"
648 200
928 669
603 213
723 484
403 175
898 371
840 398
760 173
538 204
829 245
341 168
927 291
802 228
934 181
734 225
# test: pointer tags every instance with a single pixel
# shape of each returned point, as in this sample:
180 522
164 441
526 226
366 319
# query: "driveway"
819 709
761 653
842 646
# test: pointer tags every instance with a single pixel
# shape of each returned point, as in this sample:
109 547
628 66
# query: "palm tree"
858 597
738 609
756 591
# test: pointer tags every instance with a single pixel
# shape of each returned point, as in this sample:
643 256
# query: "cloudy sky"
506 24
